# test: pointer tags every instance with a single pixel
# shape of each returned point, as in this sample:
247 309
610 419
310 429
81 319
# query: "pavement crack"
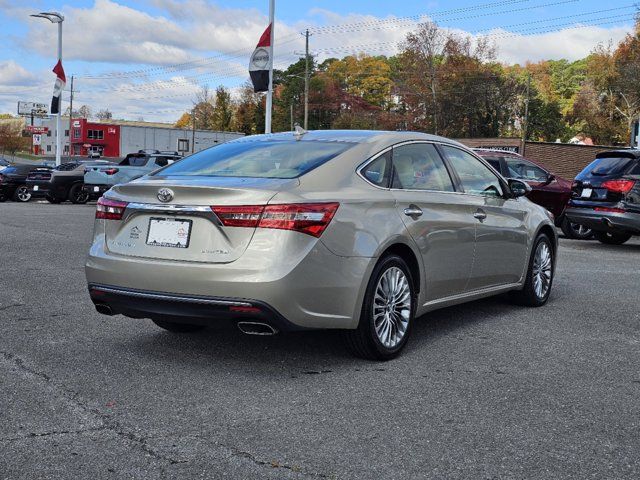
104 421
51 434
13 305
274 463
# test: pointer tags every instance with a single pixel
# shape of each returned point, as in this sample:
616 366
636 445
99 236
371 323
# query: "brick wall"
563 159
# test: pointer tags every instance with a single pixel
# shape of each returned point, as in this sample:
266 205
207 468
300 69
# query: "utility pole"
525 125
193 129
70 118
291 114
307 74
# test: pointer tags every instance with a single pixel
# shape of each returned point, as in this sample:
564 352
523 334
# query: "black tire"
3 197
575 231
22 194
77 194
177 327
364 342
609 238
528 296
52 199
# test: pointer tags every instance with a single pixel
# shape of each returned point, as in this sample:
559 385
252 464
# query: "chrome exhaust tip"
256 328
103 309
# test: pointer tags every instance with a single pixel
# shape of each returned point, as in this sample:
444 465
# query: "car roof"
619 153
351 136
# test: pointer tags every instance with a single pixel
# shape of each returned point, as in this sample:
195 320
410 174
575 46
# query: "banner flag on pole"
261 62
61 81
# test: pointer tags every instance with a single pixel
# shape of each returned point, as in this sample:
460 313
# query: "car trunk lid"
185 227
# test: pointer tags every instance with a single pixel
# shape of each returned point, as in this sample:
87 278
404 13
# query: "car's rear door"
501 232
439 220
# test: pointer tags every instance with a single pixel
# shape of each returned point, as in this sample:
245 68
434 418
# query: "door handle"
412 211
480 215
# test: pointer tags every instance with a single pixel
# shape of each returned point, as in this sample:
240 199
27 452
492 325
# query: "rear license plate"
36 188
586 192
96 189
169 232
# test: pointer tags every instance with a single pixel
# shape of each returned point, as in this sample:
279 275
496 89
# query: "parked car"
606 196
98 179
547 189
65 182
353 230
13 182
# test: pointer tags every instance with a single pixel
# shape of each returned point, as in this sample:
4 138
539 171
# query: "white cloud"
12 74
193 29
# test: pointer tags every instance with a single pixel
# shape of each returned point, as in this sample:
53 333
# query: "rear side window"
476 179
262 159
378 172
608 166
636 169
418 166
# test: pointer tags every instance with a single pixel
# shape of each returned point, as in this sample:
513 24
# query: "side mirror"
550 178
518 187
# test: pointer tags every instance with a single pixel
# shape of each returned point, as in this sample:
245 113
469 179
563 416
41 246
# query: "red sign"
37 130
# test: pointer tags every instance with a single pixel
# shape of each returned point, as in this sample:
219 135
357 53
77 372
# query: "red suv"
548 190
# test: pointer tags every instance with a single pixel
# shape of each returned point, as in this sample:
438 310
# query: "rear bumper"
307 285
627 222
39 189
189 309
95 191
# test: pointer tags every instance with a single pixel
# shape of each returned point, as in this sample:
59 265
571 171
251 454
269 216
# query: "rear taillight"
619 186
243 216
109 171
610 209
309 218
110 209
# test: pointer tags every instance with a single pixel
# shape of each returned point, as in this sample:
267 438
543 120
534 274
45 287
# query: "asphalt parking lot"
484 390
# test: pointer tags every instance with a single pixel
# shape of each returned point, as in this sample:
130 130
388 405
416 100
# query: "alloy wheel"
580 230
23 194
542 270
392 307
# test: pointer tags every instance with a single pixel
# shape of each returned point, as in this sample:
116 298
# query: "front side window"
523 170
476 178
418 166
378 172
262 159
494 162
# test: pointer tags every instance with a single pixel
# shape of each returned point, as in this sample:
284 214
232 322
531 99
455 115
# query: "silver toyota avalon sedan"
353 230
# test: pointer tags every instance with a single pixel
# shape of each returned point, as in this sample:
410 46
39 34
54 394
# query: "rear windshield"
263 159
609 166
135 160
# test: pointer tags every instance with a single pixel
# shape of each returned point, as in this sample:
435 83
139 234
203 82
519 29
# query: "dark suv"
606 196
547 189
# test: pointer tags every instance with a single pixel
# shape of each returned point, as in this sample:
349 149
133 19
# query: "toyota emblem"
165 195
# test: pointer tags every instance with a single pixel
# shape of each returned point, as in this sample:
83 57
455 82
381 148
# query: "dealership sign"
32 108
38 130
37 139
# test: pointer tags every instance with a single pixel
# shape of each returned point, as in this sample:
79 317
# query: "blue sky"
115 36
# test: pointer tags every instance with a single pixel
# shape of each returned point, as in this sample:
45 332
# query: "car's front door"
439 220
501 233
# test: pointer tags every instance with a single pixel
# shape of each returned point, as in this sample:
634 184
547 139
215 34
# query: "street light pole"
55 17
